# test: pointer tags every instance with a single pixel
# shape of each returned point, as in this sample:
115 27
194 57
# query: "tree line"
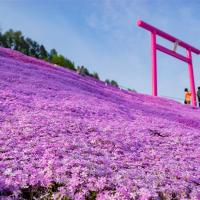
17 41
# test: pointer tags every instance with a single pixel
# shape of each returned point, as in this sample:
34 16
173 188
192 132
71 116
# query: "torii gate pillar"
191 75
154 46
154 64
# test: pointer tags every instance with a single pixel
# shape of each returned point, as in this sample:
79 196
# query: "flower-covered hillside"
62 134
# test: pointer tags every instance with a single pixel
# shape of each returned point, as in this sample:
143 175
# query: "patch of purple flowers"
59 127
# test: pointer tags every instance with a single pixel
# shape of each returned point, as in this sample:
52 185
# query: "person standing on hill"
198 95
187 96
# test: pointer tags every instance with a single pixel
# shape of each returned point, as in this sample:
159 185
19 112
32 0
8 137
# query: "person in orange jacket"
187 96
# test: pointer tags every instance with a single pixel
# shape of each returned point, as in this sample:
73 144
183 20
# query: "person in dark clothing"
198 95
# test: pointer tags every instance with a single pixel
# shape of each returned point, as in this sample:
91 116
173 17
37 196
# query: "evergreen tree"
107 81
8 41
114 83
43 53
69 64
33 48
132 90
52 53
95 75
57 59
1 44
85 71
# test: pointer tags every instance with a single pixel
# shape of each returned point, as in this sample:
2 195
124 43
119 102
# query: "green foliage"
15 40
85 72
52 53
33 192
34 48
107 81
132 90
92 195
95 75
40 192
43 52
81 70
62 61
111 82
46 193
58 59
114 83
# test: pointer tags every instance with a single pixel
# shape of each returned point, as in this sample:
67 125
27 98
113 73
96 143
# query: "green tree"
4 41
69 64
20 43
132 90
14 40
62 61
95 75
43 53
107 81
52 53
114 83
86 71
1 44
17 39
58 59
34 48
8 40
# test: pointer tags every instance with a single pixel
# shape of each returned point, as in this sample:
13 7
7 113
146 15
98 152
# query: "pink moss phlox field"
58 126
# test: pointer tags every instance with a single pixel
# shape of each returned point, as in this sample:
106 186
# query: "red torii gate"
154 46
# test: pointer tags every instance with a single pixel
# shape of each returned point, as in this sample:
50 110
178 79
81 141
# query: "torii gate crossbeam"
154 46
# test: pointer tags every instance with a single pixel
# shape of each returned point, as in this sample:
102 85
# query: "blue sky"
102 35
